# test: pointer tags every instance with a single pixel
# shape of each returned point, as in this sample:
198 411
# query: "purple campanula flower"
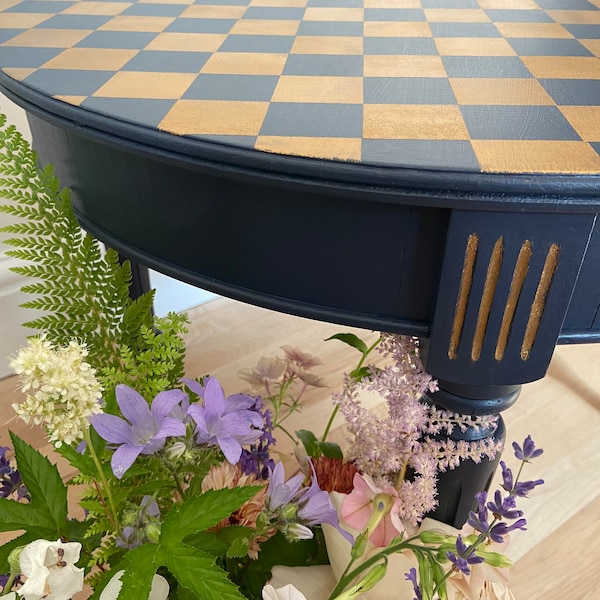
281 492
147 429
257 459
412 577
528 451
226 422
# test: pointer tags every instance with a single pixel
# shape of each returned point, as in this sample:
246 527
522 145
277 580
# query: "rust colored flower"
334 475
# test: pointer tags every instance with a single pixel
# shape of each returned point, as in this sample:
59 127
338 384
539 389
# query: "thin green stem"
112 513
9 583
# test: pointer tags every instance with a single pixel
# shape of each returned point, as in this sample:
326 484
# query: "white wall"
170 294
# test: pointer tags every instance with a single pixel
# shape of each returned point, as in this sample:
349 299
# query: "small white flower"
50 570
158 591
287 592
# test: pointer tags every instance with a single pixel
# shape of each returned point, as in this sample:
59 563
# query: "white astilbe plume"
398 449
61 388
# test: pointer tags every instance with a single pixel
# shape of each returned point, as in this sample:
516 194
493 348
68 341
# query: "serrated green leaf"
140 568
352 340
201 512
197 571
16 515
43 482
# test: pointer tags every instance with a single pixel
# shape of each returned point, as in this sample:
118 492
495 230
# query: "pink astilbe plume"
398 449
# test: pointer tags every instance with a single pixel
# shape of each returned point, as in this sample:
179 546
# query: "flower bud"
495 559
433 537
360 544
14 559
373 577
153 532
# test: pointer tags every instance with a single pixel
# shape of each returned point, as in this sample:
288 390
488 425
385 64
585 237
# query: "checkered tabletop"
472 85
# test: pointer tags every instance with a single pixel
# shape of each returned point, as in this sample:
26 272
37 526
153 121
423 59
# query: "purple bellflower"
226 422
147 429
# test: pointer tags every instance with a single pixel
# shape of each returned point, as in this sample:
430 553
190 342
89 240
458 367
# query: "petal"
160 588
123 458
66 582
33 556
194 386
231 449
133 406
170 427
165 402
197 413
238 402
214 400
36 583
111 428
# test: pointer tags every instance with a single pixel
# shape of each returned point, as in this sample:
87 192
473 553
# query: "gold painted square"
91 59
107 9
313 147
533 30
512 4
137 23
245 63
333 14
592 45
585 121
576 17
392 3
4 4
265 27
563 67
383 65
166 1
48 38
23 20
215 117
322 90
18 73
200 11
496 91
523 156
316 44
187 42
280 3
74 100
146 85
397 29
451 46
452 15
413 122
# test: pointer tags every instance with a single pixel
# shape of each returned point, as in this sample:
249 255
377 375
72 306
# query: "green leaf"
331 450
140 568
361 373
201 512
82 462
15 515
351 340
310 442
8 547
197 571
43 482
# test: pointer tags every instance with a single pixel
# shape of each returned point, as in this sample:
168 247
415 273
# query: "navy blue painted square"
596 147
548 47
485 66
336 3
67 82
324 65
35 6
573 92
74 22
400 45
201 25
119 40
274 12
407 90
450 4
224 2
257 43
148 112
394 14
444 154
155 10
331 28
465 30
167 62
518 16
209 86
8 34
566 5
584 32
26 58
318 120
526 123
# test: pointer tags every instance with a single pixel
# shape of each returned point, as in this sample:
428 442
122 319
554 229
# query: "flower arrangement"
180 492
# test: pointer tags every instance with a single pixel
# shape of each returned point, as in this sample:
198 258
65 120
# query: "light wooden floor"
557 559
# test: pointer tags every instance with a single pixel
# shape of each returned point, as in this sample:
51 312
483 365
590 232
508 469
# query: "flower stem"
9 583
112 513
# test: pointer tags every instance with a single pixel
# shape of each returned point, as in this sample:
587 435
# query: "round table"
428 167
